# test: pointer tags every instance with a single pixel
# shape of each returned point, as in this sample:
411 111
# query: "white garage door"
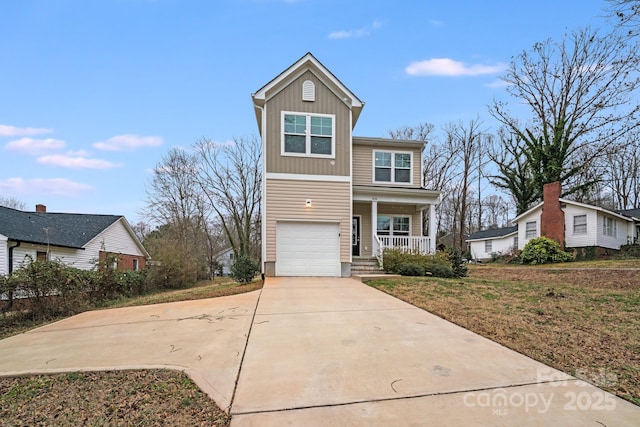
307 249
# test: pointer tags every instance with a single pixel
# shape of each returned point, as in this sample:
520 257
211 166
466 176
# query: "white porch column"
374 226
433 228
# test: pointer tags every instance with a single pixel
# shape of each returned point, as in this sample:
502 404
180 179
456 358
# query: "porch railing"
417 244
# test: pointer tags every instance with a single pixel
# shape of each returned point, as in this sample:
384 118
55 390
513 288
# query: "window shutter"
308 91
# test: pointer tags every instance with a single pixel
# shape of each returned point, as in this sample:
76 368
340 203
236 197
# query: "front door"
355 236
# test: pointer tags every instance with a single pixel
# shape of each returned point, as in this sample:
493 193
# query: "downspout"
11 248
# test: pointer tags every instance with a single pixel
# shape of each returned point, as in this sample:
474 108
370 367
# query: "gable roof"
616 214
493 234
307 62
634 213
56 229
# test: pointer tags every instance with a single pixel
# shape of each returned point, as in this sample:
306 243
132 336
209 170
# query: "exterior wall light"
308 203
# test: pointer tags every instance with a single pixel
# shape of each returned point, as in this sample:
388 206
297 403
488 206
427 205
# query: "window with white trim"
393 225
310 135
515 242
531 230
580 224
488 246
136 265
392 166
609 226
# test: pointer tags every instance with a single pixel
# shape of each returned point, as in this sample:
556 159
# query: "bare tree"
468 141
581 95
626 14
176 203
12 202
230 177
623 164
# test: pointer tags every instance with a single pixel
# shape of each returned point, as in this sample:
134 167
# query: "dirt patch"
152 397
583 322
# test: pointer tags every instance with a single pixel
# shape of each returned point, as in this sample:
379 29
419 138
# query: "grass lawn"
150 397
580 318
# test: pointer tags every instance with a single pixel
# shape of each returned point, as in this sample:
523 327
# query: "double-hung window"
306 134
394 225
392 167
488 246
609 227
580 224
531 230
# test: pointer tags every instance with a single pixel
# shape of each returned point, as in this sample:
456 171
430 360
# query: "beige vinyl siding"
290 99
402 210
363 165
285 200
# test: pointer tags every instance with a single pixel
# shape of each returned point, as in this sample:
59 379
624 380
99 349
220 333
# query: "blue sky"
93 93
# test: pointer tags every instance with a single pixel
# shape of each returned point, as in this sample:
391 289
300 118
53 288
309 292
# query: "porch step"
365 265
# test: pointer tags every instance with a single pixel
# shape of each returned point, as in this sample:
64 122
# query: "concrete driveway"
322 352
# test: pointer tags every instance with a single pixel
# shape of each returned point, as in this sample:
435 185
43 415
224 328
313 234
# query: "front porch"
386 217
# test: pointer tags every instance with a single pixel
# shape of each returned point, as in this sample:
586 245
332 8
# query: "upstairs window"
308 135
392 167
531 231
580 224
609 227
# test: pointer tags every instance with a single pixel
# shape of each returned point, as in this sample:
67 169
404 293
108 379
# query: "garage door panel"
307 249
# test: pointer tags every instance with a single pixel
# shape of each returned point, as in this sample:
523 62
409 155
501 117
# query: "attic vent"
308 91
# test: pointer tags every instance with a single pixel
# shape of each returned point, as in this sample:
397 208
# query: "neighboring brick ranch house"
78 240
329 199
574 225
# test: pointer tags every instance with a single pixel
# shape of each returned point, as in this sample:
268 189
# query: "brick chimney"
552 218
41 208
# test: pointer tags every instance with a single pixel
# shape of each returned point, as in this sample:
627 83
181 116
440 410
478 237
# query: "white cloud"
360 32
128 142
75 162
6 130
496 84
42 186
34 146
450 67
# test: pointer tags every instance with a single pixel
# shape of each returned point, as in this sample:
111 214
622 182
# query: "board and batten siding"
286 201
363 165
326 102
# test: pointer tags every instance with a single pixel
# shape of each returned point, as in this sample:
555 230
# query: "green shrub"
52 288
440 270
408 269
458 264
543 250
630 251
440 264
244 270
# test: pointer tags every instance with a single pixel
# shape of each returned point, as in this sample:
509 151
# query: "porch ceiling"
417 196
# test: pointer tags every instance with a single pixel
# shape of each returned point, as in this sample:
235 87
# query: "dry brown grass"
583 322
150 398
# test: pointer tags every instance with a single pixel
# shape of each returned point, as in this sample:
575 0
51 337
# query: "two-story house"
329 198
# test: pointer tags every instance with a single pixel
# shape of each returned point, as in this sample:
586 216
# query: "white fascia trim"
305 177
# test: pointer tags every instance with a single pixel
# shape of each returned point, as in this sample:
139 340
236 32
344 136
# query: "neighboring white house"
482 244
573 224
78 240
225 260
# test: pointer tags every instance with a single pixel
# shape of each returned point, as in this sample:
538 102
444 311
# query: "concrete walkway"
322 352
